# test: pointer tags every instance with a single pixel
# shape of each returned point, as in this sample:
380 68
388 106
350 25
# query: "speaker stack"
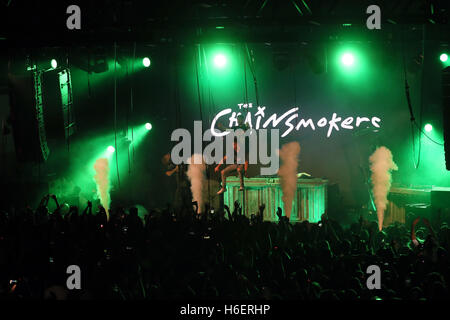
41 112
27 117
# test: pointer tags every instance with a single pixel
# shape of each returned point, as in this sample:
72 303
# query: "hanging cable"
427 136
245 81
89 73
115 112
414 124
69 109
131 99
251 61
408 99
126 119
175 85
295 88
210 107
208 77
420 125
198 84
178 100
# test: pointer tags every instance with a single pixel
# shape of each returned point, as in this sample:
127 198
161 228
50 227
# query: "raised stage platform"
309 203
405 203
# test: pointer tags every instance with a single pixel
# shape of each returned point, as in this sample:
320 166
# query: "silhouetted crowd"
218 255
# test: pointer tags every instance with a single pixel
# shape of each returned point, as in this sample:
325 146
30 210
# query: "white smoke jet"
101 178
288 174
196 174
381 165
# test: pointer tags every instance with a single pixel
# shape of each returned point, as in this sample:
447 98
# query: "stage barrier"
309 203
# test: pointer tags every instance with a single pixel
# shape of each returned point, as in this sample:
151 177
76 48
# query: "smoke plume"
381 165
288 174
196 174
101 178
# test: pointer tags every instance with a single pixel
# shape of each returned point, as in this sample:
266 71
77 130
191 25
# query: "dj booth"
309 202
427 202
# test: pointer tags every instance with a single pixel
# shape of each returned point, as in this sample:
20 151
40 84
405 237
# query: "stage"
310 200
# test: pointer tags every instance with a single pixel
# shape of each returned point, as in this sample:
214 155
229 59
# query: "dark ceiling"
42 23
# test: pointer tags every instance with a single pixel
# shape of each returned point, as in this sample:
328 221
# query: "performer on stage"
183 195
231 169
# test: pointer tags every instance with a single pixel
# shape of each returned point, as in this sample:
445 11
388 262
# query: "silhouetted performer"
231 169
183 195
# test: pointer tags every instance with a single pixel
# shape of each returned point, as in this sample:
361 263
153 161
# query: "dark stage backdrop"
166 94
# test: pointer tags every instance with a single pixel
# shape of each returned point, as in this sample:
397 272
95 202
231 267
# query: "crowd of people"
179 254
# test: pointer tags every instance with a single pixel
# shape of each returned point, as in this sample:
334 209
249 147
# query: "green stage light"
139 133
146 62
110 149
220 60
443 57
428 127
348 59
54 63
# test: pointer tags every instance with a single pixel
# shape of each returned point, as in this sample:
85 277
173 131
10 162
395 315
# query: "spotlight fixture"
348 59
220 61
54 63
443 57
428 127
111 149
148 126
146 62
